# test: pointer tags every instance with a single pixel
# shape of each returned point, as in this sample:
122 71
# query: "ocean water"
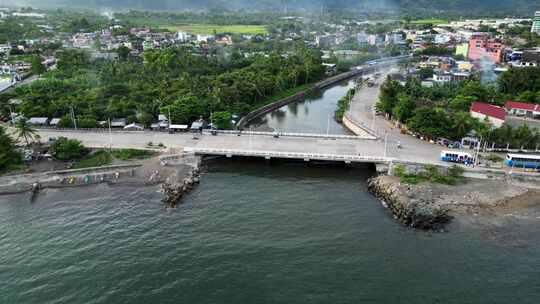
255 233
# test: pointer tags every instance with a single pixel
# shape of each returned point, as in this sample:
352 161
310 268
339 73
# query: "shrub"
68 149
97 159
127 154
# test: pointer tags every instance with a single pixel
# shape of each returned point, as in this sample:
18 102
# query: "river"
313 115
254 233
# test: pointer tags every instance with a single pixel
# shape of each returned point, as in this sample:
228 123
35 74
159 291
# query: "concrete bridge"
345 148
307 156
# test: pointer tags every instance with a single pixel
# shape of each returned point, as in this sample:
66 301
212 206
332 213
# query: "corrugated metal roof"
488 109
521 106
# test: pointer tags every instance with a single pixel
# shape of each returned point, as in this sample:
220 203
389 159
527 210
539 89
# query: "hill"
418 7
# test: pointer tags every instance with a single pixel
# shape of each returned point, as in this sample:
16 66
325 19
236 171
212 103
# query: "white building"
205 38
362 38
182 36
441 39
535 28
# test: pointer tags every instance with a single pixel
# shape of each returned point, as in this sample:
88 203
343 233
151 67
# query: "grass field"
207 29
105 157
428 21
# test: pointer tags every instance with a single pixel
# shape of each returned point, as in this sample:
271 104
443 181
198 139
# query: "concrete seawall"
357 129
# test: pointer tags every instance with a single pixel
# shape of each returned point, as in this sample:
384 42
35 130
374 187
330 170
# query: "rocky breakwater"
175 190
410 209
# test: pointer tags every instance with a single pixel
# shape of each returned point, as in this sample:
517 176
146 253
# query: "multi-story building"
482 47
463 50
535 28
182 36
323 41
362 38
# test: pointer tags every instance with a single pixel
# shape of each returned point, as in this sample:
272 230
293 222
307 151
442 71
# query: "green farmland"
429 21
206 29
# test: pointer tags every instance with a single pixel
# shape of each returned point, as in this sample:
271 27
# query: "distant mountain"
480 7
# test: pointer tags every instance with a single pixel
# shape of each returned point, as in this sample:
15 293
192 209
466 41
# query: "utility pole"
110 135
328 125
250 138
477 152
385 143
170 121
73 118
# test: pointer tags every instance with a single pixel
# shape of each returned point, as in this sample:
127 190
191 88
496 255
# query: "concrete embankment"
298 96
357 129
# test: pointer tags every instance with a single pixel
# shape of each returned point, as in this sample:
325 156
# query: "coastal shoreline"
430 206
171 169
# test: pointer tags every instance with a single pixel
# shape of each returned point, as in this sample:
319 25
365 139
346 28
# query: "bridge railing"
291 134
294 155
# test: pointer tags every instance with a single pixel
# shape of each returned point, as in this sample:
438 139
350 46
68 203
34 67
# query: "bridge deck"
290 155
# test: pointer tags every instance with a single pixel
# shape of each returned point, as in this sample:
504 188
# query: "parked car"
454 145
443 142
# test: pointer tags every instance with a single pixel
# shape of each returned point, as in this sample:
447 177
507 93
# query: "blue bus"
457 157
529 161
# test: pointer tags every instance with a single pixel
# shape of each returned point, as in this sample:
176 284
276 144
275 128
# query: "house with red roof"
485 111
522 109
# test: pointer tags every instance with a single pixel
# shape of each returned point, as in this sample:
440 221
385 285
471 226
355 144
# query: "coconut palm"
26 131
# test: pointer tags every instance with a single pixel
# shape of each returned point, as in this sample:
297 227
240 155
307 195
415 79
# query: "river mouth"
254 233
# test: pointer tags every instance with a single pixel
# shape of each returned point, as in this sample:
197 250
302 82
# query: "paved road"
415 150
371 148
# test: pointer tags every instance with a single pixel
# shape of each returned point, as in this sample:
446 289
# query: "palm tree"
26 130
462 123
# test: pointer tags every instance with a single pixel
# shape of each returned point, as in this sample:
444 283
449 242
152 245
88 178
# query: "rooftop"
521 105
488 110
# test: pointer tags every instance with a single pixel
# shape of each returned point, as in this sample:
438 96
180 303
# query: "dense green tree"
26 131
462 124
222 120
516 81
404 108
37 66
123 53
184 110
462 103
87 122
388 96
430 122
9 156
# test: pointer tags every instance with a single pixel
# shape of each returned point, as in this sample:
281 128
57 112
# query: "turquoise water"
255 233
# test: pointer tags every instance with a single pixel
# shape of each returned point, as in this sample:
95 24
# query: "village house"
487 112
522 109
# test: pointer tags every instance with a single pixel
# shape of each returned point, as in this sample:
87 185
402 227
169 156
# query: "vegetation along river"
313 115
255 233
